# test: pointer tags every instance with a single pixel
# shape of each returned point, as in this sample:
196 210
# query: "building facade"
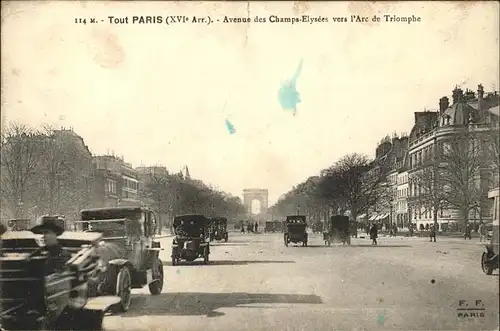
115 182
391 157
471 113
402 217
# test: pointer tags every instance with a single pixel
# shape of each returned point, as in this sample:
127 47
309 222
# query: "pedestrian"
480 230
468 231
410 229
57 255
432 234
374 234
256 227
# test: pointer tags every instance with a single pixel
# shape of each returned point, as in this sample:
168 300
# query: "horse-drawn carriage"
218 229
191 238
296 230
128 250
490 257
34 297
269 227
337 231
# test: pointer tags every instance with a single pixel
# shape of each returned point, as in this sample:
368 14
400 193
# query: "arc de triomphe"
252 194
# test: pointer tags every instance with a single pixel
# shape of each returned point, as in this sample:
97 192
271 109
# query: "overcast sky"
160 94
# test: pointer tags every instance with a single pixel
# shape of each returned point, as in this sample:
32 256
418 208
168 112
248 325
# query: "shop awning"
373 218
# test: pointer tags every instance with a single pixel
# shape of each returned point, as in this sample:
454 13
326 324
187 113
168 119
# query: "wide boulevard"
254 282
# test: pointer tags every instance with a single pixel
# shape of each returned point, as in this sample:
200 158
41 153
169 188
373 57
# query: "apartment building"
432 131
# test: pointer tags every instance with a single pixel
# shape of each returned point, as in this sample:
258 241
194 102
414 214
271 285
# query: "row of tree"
351 186
174 194
41 172
456 175
49 171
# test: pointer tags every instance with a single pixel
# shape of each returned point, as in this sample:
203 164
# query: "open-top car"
490 257
129 251
218 229
191 239
21 224
337 230
296 230
35 297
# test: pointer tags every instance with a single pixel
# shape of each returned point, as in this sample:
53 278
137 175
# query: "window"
111 186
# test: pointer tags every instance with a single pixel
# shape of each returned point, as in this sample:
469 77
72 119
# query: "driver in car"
57 255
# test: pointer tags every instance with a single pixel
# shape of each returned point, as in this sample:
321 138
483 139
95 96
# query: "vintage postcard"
250 166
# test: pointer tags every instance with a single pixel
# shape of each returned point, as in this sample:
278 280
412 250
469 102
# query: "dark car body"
191 238
128 249
295 232
34 298
218 229
338 230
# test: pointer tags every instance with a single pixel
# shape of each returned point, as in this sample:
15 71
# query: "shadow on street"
228 244
227 262
196 304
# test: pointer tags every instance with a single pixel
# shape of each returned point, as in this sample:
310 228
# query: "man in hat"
57 255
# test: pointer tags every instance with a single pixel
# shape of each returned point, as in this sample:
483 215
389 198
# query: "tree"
462 160
429 187
180 195
61 184
353 183
18 161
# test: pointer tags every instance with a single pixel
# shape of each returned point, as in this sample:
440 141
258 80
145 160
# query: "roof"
459 113
193 217
495 110
300 218
219 218
124 208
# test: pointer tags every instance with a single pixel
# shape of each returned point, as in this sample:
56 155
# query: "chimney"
457 95
444 103
480 92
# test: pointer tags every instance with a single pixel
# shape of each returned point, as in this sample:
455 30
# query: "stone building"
154 174
390 157
115 182
470 113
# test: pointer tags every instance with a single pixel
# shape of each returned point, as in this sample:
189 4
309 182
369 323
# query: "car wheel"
484 264
156 286
124 289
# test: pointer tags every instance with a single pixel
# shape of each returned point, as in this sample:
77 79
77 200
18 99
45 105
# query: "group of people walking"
250 227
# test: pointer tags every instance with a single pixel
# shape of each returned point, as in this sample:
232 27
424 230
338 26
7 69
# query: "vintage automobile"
269 227
218 229
279 226
34 298
296 230
337 230
129 251
191 239
490 259
21 224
